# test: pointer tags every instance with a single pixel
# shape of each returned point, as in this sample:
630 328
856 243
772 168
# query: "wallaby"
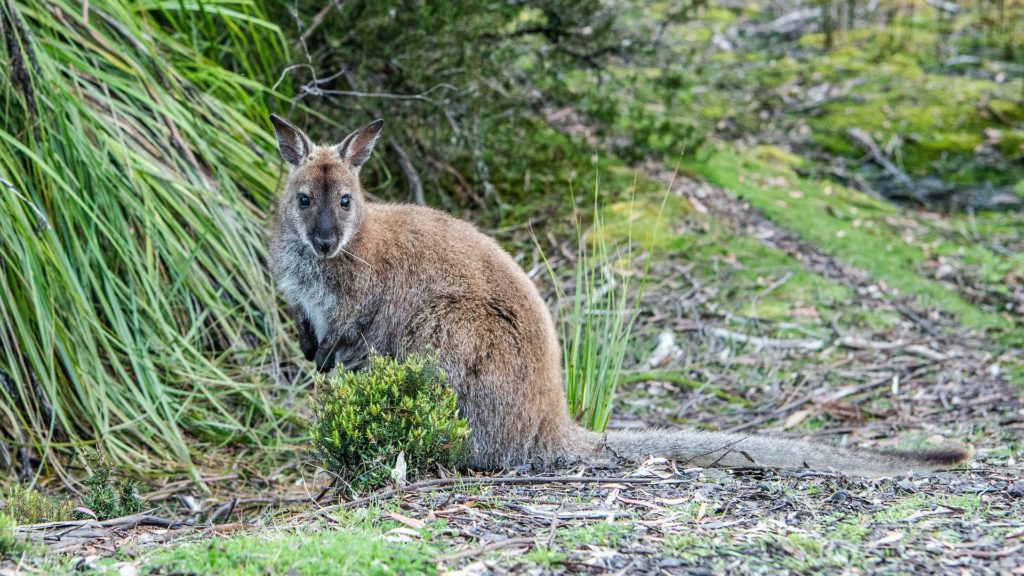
400 279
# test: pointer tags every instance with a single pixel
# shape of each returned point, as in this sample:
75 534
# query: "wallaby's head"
322 201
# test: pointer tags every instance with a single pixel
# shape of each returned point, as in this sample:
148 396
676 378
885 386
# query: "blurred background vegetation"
138 170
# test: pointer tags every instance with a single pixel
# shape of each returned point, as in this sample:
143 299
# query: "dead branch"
123 522
915 349
468 553
463 189
314 90
491 480
319 19
411 175
788 24
865 141
759 342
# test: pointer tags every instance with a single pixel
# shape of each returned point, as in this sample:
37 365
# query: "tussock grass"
596 320
136 170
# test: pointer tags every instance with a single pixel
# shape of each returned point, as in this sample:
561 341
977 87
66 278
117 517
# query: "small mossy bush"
364 420
29 506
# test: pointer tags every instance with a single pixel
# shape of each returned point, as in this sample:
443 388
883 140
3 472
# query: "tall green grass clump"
596 320
135 171
364 420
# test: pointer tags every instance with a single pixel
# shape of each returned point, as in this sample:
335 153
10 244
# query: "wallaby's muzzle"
325 234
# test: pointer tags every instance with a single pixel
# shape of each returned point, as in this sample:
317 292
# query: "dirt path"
922 372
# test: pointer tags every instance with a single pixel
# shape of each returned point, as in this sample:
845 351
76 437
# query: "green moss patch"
351 551
867 233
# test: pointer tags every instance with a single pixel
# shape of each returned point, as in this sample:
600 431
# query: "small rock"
669 563
907 486
839 496
1016 489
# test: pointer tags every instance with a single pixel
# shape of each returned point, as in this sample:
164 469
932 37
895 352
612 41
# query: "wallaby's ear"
293 143
356 147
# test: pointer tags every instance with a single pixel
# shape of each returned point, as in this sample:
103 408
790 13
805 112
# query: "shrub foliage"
105 497
363 420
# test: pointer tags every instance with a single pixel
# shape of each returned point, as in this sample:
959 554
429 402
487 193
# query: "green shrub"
29 506
364 420
103 496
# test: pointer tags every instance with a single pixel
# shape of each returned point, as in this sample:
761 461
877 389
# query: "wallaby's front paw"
307 338
354 359
325 359
308 350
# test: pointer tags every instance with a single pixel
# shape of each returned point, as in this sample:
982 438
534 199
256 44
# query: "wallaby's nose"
324 244
324 234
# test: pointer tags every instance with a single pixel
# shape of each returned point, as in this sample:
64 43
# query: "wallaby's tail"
715 449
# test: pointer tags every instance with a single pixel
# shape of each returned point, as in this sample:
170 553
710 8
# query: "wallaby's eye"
304 201
346 201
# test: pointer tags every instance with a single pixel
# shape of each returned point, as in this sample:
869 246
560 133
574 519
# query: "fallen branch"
123 522
679 379
525 541
915 349
875 153
790 406
787 24
490 481
989 553
759 342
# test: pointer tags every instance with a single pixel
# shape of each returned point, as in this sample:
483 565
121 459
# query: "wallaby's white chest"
318 311
304 287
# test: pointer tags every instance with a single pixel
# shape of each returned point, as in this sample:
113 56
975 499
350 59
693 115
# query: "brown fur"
408 279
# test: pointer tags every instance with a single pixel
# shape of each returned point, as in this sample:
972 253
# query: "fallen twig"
875 153
916 349
767 342
526 541
786 24
123 522
785 409
490 480
679 379
989 553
